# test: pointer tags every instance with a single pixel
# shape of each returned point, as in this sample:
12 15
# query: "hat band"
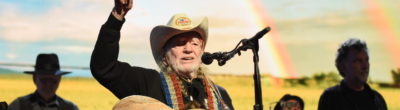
47 67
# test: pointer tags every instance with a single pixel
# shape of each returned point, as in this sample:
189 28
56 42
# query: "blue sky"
70 27
31 6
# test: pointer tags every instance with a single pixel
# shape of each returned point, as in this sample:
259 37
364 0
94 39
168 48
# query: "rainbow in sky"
278 60
386 26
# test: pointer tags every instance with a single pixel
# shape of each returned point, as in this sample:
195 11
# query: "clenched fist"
121 8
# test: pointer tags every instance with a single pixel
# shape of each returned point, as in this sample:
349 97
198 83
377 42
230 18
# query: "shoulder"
331 94
220 88
332 91
16 104
25 98
376 93
223 92
67 104
379 98
330 98
225 96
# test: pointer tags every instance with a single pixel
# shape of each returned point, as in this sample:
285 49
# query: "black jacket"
121 78
32 101
341 97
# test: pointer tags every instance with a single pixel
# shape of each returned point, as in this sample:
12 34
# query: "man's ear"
342 69
164 60
59 77
34 79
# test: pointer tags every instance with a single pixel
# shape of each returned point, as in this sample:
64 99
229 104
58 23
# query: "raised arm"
119 77
104 62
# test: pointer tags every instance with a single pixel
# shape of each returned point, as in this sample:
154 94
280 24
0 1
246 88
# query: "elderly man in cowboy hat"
47 76
177 49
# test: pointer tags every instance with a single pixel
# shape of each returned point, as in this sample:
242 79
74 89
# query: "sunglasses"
289 104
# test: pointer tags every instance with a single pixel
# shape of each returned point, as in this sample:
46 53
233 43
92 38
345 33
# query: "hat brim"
162 33
58 72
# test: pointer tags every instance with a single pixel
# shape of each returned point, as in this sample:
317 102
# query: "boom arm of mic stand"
228 55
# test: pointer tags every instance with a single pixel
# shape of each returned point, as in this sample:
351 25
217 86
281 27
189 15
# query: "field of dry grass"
88 94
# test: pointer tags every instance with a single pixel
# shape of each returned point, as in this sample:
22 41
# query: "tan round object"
139 102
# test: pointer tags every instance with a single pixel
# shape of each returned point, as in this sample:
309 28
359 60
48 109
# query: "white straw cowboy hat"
178 24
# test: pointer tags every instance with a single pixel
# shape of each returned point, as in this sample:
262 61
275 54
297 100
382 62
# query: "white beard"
175 66
186 71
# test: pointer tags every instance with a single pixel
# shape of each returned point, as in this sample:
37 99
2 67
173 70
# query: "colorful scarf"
174 97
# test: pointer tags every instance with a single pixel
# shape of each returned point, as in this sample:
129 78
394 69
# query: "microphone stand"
254 46
256 77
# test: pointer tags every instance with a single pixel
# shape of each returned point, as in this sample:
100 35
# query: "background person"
353 92
47 77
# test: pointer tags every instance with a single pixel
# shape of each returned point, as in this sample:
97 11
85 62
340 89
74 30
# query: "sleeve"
118 77
225 96
105 54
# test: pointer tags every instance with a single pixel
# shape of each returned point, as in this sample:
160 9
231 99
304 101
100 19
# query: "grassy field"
88 94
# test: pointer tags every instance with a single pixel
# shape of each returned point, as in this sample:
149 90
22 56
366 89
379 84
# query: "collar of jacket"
346 88
35 98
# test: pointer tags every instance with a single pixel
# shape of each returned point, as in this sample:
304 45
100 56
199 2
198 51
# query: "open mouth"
187 58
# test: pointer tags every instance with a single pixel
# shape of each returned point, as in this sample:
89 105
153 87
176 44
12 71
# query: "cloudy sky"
308 28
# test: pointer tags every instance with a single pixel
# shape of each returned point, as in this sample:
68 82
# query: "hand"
121 8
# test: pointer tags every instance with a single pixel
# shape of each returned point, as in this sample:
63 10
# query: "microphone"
259 34
208 58
221 57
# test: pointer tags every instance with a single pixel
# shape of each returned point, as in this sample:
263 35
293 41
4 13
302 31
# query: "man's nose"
187 48
365 65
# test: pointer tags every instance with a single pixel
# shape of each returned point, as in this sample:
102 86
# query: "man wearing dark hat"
177 49
353 92
47 76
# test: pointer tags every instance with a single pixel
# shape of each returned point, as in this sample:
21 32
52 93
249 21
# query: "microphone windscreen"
206 58
261 33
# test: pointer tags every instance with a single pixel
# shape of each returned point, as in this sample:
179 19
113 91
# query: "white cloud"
72 19
11 56
71 49
81 20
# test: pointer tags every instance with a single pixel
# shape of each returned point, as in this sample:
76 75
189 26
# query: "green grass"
88 94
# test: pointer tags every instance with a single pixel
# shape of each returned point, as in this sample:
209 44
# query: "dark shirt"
121 78
34 102
341 97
